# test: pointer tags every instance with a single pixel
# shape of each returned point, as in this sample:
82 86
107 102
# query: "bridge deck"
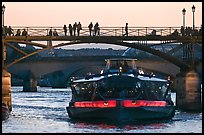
105 33
90 39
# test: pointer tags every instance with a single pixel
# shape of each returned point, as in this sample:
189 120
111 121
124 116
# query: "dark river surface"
44 112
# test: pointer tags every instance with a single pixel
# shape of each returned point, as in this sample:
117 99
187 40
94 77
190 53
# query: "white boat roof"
120 59
89 80
147 78
143 78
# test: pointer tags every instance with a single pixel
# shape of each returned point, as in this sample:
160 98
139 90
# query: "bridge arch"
171 59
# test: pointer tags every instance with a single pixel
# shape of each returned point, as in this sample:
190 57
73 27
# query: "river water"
44 112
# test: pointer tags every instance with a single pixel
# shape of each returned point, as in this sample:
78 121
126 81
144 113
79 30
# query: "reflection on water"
44 112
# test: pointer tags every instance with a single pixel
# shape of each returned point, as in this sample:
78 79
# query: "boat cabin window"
85 90
117 65
153 90
143 90
126 89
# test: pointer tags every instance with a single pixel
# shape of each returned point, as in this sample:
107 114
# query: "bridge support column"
188 91
6 89
30 84
59 80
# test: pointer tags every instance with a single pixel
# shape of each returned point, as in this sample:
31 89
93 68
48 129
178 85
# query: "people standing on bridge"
10 31
90 27
55 32
96 29
126 30
18 33
50 32
153 33
74 28
65 30
200 31
175 33
24 33
79 27
182 31
70 29
189 31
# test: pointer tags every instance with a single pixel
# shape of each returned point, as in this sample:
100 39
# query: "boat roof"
88 80
112 59
146 78
140 77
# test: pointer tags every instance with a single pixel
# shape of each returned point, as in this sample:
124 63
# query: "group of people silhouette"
77 27
189 31
54 33
8 31
94 30
73 29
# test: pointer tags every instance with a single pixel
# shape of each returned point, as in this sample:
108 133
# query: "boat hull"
122 113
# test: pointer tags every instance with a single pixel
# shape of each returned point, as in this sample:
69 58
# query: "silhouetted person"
175 33
153 33
126 30
50 32
74 28
200 31
10 31
70 29
65 30
182 31
188 31
90 27
18 33
79 27
24 33
96 29
55 33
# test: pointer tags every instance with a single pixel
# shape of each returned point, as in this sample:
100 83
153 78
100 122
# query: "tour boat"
121 92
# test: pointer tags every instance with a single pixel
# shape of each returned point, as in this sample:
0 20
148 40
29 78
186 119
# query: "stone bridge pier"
188 91
30 83
59 80
6 89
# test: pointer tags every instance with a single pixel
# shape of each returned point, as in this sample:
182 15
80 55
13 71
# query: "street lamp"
184 12
3 10
3 47
193 10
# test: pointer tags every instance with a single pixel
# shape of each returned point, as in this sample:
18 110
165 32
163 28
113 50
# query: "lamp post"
184 13
3 10
3 47
193 10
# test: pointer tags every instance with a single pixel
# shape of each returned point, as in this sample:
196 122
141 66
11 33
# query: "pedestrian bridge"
138 37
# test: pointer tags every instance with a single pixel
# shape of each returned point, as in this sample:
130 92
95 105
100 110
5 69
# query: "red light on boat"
101 104
106 103
138 103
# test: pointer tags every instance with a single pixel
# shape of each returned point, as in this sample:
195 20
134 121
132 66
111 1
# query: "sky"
107 14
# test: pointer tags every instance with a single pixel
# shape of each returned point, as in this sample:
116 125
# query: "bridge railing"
104 31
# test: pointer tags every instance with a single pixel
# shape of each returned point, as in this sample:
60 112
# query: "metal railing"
104 31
